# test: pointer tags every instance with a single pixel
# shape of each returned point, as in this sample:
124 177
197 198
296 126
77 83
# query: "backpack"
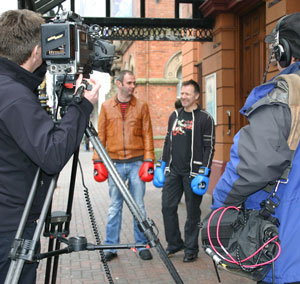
241 241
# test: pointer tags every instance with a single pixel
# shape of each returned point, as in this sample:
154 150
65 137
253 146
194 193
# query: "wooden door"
252 54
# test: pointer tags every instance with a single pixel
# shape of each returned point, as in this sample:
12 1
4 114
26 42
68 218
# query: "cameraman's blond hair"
20 32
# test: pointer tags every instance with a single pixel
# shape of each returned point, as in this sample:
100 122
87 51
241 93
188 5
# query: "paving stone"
85 267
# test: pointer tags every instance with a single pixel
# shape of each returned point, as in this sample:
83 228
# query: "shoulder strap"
293 82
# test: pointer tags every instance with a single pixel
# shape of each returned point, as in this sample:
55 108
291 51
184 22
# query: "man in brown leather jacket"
125 130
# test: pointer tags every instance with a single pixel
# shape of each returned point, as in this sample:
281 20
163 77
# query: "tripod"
24 250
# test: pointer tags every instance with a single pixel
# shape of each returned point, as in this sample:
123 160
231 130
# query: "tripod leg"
14 273
143 223
55 263
71 190
49 259
13 264
115 176
60 225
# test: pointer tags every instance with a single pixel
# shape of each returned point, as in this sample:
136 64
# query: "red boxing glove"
100 172
146 171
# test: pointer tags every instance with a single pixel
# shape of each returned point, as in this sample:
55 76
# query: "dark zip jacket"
29 140
203 140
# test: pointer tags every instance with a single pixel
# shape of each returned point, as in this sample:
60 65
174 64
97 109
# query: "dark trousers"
172 192
28 275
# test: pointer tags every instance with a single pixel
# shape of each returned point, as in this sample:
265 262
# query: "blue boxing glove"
159 176
199 184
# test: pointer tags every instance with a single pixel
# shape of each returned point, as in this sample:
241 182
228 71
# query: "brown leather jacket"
129 138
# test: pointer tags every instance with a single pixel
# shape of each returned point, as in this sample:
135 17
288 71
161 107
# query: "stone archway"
173 70
173 65
131 66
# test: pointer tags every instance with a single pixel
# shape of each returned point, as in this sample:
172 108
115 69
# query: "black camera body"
70 47
65 47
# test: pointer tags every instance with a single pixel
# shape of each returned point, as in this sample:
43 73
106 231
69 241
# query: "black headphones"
281 47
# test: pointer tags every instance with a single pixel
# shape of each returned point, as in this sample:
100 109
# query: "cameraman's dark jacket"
203 140
28 140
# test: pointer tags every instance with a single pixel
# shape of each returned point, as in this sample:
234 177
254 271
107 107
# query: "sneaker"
145 254
109 255
190 257
171 252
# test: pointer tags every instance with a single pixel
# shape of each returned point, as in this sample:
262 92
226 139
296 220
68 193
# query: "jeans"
130 172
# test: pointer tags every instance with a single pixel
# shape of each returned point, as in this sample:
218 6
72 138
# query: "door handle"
229 122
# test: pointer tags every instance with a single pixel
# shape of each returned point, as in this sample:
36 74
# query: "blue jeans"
130 172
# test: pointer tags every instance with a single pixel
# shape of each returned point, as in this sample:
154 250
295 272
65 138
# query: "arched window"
179 77
131 63
173 71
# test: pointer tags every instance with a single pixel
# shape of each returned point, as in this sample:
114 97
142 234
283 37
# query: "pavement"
85 267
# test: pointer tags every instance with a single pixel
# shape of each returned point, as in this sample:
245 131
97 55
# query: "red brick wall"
161 104
160 9
149 60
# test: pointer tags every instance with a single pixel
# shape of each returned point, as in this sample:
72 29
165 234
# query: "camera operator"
29 138
261 152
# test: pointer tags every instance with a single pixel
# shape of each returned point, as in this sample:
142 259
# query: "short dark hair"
120 76
194 83
20 32
177 104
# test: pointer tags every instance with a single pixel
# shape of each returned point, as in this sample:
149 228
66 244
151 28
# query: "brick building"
238 56
226 68
158 68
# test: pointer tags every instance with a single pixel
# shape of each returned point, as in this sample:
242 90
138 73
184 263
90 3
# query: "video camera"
70 47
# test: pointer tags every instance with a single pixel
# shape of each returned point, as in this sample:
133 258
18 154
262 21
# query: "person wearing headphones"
262 151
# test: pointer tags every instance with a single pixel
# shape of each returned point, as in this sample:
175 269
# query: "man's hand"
159 176
100 172
146 171
199 184
92 95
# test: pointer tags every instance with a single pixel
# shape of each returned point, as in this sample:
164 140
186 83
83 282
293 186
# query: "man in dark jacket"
187 157
28 137
262 150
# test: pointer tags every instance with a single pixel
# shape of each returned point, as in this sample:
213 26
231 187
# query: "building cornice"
212 8
157 81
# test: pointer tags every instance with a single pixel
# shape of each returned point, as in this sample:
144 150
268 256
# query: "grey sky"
87 8
8 5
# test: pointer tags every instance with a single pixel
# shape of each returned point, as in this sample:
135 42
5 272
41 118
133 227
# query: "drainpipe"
147 71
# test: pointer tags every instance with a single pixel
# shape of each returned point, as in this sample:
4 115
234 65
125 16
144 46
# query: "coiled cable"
96 232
